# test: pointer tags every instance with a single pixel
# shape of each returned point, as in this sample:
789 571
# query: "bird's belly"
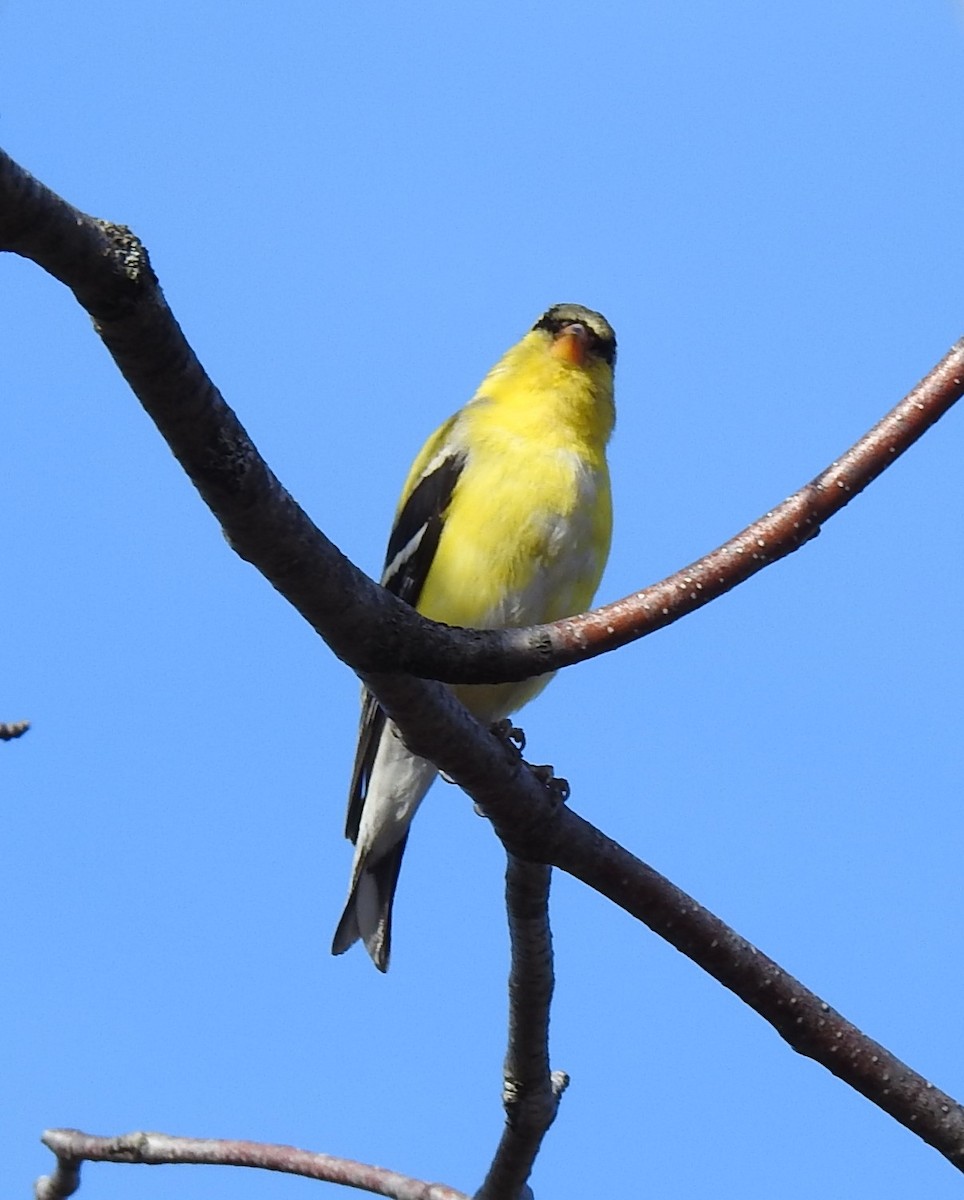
497 572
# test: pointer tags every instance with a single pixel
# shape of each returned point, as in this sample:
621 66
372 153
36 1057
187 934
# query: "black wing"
411 549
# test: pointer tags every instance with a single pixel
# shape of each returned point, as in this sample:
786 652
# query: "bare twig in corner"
531 1091
73 1147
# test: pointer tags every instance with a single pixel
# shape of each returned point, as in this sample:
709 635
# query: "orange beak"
571 344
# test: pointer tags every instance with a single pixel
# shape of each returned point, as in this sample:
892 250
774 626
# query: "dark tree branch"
533 825
154 1149
531 1092
13 729
108 270
807 1023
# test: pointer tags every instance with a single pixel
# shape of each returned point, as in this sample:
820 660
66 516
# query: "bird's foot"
510 735
558 789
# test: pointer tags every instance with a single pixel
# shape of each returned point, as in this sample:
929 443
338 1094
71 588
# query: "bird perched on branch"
505 520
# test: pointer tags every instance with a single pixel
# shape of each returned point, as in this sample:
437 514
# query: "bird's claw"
558 788
510 735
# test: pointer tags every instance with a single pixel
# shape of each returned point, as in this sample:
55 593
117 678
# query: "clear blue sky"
354 209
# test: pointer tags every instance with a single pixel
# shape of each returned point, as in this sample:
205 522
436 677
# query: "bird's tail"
368 912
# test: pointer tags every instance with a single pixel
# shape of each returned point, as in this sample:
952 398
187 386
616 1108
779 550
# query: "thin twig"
531 1092
73 1147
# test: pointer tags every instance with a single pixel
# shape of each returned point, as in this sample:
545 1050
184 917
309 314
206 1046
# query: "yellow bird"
505 520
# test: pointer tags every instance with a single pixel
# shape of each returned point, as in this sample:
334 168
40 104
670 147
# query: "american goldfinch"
505 520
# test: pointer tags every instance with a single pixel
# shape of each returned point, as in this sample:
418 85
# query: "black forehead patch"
602 340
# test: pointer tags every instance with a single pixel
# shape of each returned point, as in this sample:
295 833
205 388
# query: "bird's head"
577 335
560 374
571 351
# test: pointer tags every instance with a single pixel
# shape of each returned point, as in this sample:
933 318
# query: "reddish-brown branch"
73 1147
776 534
108 270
